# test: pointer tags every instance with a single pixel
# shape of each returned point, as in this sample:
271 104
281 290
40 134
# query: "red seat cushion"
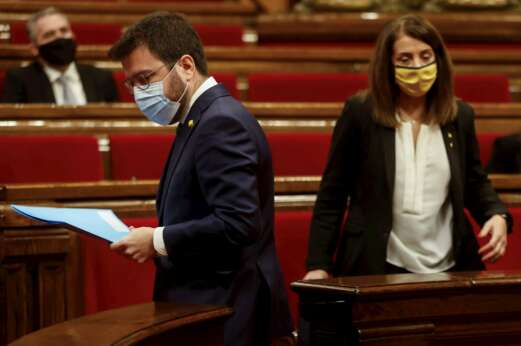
139 156
296 153
229 80
291 239
486 143
304 87
220 35
43 159
85 33
482 88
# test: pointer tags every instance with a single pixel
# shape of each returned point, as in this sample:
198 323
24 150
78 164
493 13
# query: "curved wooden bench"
143 324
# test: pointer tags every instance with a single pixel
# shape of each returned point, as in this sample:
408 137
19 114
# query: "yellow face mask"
416 81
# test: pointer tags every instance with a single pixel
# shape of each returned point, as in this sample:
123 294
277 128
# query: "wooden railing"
105 119
145 324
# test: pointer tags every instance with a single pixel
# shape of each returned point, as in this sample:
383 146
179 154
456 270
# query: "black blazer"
30 85
216 202
361 169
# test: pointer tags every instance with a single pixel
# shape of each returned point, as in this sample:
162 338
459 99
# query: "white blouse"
421 237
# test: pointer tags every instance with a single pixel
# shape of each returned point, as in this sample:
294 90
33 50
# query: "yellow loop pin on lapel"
190 123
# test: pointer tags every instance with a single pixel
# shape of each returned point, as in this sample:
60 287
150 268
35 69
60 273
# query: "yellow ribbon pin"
190 123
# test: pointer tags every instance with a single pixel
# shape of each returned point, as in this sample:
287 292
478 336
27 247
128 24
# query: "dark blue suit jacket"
216 201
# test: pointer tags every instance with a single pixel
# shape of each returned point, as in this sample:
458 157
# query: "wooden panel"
500 27
52 292
17 322
424 309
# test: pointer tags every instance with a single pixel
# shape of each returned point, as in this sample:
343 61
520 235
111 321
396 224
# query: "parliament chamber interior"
292 64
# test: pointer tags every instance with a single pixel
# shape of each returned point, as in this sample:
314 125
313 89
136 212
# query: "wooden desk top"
125 326
406 284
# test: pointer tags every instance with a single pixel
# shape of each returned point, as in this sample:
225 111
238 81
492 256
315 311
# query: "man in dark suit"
215 203
54 77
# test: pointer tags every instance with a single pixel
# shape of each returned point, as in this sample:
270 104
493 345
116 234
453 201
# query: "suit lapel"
182 138
387 135
452 146
88 85
42 85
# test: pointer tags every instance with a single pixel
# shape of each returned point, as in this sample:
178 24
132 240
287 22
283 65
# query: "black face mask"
59 52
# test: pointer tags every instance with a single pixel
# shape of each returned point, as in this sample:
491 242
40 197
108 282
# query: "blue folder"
101 223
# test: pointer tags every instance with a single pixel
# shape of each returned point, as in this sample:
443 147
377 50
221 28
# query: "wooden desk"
473 308
144 324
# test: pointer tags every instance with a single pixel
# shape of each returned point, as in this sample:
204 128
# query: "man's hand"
138 245
496 227
316 274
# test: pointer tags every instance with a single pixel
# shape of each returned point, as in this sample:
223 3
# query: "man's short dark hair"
167 35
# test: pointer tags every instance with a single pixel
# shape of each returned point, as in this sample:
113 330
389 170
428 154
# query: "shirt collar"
207 84
71 73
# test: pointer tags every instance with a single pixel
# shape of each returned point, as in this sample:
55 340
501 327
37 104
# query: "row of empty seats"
76 158
108 33
327 86
26 159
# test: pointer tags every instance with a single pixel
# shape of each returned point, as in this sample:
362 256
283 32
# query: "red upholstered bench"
297 153
482 88
220 35
304 87
229 80
85 33
112 281
291 240
486 142
44 159
139 156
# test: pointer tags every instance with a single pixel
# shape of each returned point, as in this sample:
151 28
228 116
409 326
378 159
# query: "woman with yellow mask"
404 164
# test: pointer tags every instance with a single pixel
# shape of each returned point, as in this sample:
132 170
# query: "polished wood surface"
144 324
103 119
464 308
234 7
363 26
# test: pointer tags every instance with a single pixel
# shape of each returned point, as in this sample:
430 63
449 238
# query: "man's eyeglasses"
141 81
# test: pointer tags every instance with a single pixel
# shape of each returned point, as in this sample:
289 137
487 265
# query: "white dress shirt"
421 238
73 81
159 243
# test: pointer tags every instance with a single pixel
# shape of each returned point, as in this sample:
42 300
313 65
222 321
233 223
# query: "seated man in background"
54 77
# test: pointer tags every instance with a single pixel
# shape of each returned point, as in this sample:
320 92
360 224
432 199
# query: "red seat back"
486 142
296 153
304 87
85 33
482 88
43 159
220 35
291 239
139 156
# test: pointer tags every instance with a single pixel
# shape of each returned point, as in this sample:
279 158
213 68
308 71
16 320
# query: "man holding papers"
215 201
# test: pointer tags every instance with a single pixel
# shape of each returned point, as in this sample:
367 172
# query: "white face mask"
155 105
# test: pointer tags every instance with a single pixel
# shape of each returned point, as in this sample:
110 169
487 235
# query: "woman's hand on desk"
316 274
496 228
